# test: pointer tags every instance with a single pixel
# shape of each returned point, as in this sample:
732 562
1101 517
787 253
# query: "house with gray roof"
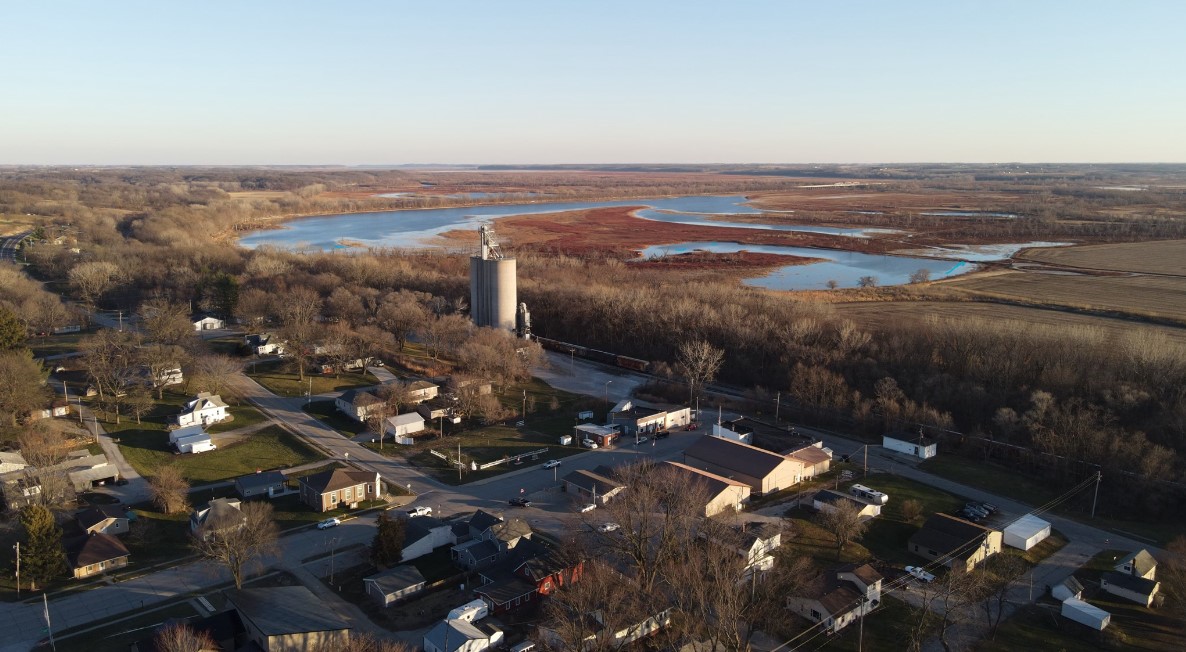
204 409
217 516
1130 587
593 486
330 490
108 519
958 544
461 636
358 404
261 483
287 618
394 584
1139 564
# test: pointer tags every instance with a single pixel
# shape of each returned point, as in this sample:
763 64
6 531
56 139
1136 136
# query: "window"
347 494
816 615
333 497
932 553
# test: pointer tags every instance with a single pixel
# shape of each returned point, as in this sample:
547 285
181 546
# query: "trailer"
1086 614
868 495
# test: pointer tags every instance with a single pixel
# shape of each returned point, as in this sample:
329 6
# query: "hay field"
876 315
1155 297
1158 257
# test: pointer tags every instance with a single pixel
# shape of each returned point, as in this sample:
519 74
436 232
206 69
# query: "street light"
607 400
17 546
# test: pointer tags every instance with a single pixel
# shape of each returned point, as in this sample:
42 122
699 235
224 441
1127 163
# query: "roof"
1073 585
12 458
482 521
1130 582
839 598
504 587
359 398
590 481
811 455
539 561
864 572
733 455
1027 526
910 438
420 385
282 610
1142 561
835 497
479 549
91 517
220 513
336 479
191 439
187 431
94 549
396 578
260 479
204 401
715 483
946 534
406 419
459 633
755 531
515 528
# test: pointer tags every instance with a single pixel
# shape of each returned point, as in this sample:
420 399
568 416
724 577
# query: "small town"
522 326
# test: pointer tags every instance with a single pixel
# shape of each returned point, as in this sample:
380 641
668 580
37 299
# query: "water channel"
415 228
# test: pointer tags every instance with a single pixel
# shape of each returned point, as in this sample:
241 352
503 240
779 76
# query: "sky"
377 83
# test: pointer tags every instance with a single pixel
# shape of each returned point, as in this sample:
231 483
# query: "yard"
327 412
1042 627
483 445
280 378
271 448
423 610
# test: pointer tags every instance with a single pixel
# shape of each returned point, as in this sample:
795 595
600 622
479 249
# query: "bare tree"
699 362
911 509
92 279
165 322
832 284
43 443
999 574
867 281
160 359
298 310
109 356
843 520
401 314
240 548
921 276
138 402
211 373
169 489
363 642
179 637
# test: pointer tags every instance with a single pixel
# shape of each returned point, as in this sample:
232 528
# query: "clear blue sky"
553 82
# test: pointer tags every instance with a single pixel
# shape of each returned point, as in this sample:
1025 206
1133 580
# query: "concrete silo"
493 289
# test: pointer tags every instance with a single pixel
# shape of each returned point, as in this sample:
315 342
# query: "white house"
208 323
836 601
357 404
1130 587
1026 532
263 344
461 636
826 501
1140 563
1067 589
205 409
422 390
425 534
734 430
915 446
10 462
401 426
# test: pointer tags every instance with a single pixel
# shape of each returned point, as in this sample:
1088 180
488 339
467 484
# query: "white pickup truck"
420 510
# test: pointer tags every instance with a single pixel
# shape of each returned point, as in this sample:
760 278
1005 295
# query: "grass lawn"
1047 547
555 411
56 344
292 513
813 541
902 489
886 628
1041 627
244 415
1007 482
157 537
481 445
280 378
327 412
270 448
436 565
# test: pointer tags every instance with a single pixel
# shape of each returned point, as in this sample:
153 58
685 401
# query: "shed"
1066 589
1085 613
394 584
913 445
403 425
1026 532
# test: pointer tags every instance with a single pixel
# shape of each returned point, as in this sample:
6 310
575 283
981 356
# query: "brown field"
257 194
877 315
867 198
617 230
13 224
1158 257
1139 296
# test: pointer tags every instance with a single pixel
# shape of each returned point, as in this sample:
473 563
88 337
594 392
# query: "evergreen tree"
388 547
12 331
42 557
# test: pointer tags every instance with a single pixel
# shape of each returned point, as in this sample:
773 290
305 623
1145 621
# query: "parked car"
642 440
920 573
121 482
607 527
420 510
988 507
589 443
975 509
588 508
551 464
662 434
328 523
519 502
969 516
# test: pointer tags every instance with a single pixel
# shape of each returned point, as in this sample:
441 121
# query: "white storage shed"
915 446
1085 613
1026 532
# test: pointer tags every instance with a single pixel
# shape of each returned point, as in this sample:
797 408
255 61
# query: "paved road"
9 245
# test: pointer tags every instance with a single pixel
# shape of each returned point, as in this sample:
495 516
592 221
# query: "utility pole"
459 465
523 418
49 628
333 545
861 635
121 320
866 460
18 568
1098 476
309 393
777 400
